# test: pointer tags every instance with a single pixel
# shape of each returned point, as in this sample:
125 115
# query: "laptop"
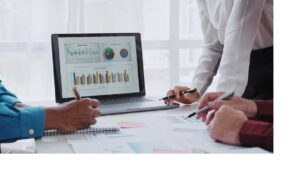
108 67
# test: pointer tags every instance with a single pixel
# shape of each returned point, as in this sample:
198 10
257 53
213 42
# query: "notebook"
91 130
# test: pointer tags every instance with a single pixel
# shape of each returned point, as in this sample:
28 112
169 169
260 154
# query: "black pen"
205 108
181 94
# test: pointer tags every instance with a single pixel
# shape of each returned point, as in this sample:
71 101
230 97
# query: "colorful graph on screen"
82 53
101 78
123 53
108 53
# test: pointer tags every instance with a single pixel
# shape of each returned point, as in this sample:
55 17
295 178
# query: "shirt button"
31 131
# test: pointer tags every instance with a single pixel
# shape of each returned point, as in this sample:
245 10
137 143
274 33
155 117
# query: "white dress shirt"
231 30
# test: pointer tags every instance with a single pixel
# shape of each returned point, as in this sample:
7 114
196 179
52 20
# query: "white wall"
170 31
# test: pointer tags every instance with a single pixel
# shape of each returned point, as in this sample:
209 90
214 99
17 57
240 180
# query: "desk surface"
152 132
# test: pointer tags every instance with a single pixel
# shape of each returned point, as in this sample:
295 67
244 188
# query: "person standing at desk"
238 45
19 121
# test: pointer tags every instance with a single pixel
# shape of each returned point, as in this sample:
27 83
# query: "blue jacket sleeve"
6 96
20 123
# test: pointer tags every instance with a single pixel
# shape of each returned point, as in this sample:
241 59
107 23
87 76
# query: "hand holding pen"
246 106
181 94
204 106
73 115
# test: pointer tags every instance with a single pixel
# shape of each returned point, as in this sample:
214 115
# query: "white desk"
104 144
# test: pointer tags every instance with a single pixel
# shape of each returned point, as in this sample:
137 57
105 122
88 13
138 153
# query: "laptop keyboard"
124 100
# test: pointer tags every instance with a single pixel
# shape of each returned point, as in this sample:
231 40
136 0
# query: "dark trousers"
260 80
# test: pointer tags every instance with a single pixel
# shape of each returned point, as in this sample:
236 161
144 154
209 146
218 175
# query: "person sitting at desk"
19 121
239 121
238 46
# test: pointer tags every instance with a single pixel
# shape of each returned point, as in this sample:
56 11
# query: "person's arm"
20 123
210 54
231 126
6 96
240 35
264 107
257 133
30 122
264 110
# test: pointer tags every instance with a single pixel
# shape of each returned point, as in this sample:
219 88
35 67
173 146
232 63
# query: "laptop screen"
99 65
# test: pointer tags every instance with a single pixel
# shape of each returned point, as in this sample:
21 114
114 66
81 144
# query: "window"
170 29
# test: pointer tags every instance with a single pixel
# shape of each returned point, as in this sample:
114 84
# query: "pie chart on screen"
108 53
123 53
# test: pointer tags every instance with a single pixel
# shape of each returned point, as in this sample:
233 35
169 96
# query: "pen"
181 94
205 108
76 93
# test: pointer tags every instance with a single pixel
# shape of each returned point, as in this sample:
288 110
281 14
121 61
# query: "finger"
94 103
212 106
93 121
208 97
183 98
205 117
202 116
96 113
215 105
210 117
177 91
166 102
169 93
210 126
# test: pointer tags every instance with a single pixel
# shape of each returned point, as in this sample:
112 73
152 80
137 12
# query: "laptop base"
122 108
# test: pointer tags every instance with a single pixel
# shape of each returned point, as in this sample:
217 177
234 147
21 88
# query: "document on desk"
153 134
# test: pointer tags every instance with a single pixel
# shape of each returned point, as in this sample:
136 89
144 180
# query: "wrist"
52 118
251 108
240 123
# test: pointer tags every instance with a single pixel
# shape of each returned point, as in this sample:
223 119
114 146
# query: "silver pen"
205 108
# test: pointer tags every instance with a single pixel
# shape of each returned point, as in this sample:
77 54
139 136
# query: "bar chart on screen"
101 78
87 78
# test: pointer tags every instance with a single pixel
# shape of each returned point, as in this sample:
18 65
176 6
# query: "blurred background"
171 39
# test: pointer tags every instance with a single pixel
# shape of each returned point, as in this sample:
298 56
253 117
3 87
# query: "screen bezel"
56 65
